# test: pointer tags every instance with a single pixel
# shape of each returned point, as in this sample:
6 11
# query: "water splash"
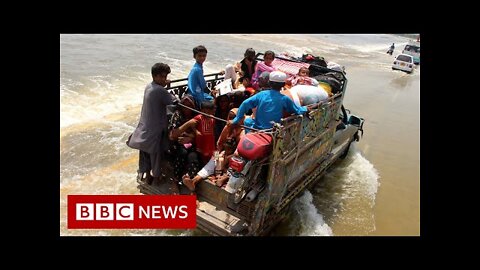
346 195
308 221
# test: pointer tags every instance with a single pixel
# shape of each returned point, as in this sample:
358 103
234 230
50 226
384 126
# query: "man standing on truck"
270 104
151 136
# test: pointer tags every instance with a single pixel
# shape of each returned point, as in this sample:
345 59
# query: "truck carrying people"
272 147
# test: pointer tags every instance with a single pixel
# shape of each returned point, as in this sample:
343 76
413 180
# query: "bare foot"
188 182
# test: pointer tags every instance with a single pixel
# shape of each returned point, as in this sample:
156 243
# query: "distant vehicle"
413 49
390 51
403 62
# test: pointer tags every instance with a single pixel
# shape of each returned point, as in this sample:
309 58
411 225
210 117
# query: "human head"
236 98
245 81
188 101
249 54
160 72
277 79
268 57
208 107
303 71
222 102
200 54
264 80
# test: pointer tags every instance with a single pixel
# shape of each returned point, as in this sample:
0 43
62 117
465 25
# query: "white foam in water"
307 217
105 97
347 194
362 175
180 68
350 184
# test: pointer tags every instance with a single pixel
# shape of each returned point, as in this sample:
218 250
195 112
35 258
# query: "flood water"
374 191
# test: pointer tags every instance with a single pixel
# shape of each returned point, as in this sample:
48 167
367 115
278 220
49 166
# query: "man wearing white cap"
270 104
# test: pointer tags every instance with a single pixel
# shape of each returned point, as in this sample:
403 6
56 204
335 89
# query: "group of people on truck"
181 138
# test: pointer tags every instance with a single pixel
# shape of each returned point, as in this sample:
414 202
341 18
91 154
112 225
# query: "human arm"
222 138
192 123
246 105
192 84
203 85
186 138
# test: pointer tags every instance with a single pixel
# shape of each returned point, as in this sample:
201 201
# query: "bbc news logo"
131 212
104 211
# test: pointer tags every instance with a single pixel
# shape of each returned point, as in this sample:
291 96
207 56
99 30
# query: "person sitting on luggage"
302 78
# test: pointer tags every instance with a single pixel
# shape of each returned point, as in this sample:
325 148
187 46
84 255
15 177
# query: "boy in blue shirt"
196 81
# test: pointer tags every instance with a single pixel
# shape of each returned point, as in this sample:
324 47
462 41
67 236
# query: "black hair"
249 51
199 49
241 79
160 68
217 102
208 104
217 99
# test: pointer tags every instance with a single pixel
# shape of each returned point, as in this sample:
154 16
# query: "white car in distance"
403 62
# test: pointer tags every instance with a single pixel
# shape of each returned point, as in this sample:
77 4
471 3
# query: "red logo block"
132 212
